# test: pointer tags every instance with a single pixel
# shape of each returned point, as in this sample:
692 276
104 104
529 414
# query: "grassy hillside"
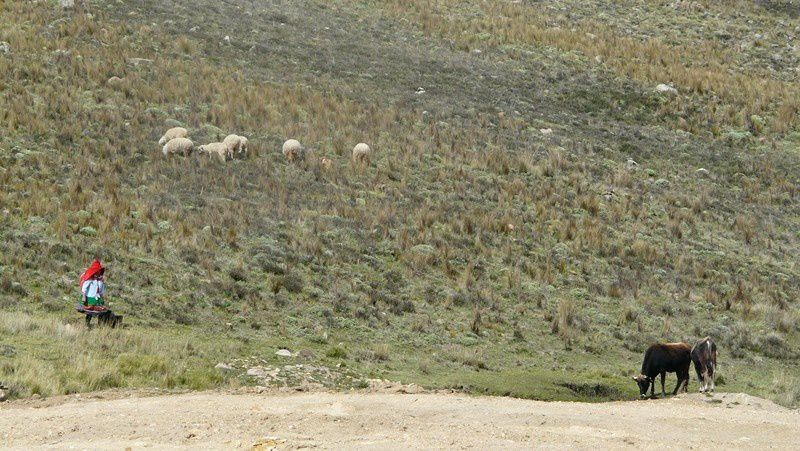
478 250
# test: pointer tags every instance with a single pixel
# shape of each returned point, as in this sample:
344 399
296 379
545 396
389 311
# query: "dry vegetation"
472 251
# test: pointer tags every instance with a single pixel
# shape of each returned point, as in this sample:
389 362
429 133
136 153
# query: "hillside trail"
390 420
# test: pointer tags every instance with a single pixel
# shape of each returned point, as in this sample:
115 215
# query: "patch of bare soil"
391 418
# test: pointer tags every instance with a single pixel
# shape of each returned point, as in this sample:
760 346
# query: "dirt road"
392 420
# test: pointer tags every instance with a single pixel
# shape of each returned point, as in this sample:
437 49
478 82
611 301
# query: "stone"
703 172
3 395
261 372
284 353
5 48
227 39
666 89
546 131
66 4
139 61
411 389
223 368
631 165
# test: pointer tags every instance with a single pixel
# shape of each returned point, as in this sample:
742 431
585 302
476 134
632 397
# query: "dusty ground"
392 420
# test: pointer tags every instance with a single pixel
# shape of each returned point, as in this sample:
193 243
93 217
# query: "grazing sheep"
361 153
183 146
292 150
219 150
326 163
243 142
175 132
115 81
233 143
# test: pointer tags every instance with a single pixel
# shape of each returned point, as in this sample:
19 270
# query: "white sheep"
183 146
175 132
243 142
115 82
233 144
361 153
219 150
292 150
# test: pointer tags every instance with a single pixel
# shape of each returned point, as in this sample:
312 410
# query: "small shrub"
786 390
269 264
88 231
238 274
476 322
629 314
462 298
518 335
774 345
292 281
399 306
11 287
425 367
336 352
739 340
379 353
565 322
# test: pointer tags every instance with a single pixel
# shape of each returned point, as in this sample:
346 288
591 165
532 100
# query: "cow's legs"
700 377
711 375
683 381
704 381
663 393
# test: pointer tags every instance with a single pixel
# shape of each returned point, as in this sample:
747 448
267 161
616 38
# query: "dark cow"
704 357
661 359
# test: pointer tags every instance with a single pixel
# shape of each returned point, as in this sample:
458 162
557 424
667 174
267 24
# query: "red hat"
90 272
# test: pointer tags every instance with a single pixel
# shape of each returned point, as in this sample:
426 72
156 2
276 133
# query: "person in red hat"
92 293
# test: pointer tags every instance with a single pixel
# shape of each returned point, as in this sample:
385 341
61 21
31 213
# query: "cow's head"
644 384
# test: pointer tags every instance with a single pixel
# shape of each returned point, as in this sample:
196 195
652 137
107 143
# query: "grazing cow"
661 359
704 357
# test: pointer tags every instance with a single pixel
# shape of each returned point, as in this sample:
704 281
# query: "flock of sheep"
176 141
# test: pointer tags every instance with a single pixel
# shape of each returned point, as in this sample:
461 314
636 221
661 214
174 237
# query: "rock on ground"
666 89
223 368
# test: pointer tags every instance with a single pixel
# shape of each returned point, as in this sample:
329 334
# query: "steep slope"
499 241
